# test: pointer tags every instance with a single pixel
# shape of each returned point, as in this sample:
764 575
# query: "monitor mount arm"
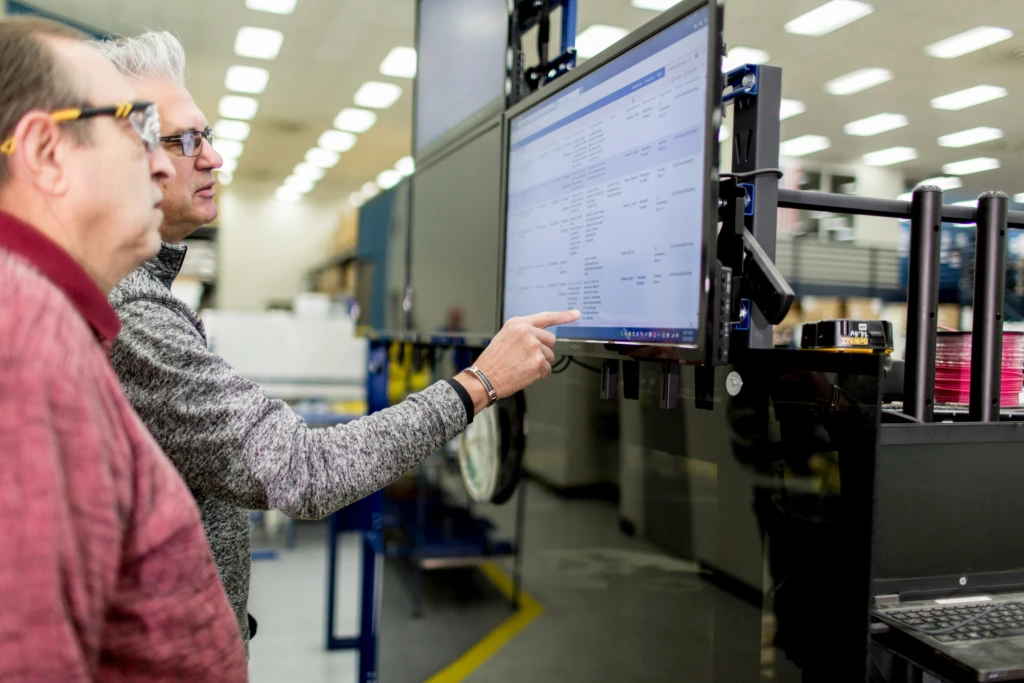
525 15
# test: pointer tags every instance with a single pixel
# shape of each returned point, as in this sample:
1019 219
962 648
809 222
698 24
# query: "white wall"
266 247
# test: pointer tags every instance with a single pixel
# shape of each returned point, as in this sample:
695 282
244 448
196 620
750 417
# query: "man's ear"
41 153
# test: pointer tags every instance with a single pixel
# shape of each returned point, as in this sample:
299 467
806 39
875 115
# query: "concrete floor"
614 609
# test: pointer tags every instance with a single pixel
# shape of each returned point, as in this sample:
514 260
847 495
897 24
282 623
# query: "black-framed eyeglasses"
143 117
191 141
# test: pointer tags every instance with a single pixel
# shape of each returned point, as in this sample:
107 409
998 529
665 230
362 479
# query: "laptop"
949 548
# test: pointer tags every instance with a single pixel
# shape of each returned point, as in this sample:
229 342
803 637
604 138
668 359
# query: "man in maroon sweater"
105 573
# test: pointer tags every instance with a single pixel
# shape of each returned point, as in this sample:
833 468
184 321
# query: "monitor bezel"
465 129
683 353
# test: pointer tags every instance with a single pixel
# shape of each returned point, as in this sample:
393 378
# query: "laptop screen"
950 509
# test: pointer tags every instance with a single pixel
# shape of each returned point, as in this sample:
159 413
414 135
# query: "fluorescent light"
324 158
238 107
226 129
225 177
828 17
229 166
400 63
369 190
229 149
596 37
973 136
356 199
875 125
287 194
890 156
723 133
738 56
791 108
308 171
302 185
258 43
973 203
804 145
337 141
272 6
376 95
654 5
388 178
905 197
355 120
979 94
247 79
968 41
944 182
1019 198
857 81
969 166
406 166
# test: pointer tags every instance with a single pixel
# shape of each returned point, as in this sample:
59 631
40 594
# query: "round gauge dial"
479 456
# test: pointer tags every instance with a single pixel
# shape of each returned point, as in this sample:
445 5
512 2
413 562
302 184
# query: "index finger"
552 318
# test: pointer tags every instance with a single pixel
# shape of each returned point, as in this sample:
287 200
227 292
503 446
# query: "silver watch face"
479 456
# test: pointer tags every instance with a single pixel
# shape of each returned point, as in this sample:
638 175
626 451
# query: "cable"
777 172
949 629
584 366
560 365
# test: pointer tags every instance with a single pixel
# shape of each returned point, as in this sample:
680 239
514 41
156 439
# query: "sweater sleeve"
229 440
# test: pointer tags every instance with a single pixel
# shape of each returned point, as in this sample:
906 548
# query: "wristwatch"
492 395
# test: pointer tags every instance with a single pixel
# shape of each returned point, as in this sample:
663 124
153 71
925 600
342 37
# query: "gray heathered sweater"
237 449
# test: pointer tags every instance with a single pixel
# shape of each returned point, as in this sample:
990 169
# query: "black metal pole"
922 302
989 288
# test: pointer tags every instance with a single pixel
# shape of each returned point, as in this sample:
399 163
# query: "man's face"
113 183
188 196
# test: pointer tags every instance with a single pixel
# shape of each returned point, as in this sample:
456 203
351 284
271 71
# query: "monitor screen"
606 185
948 509
461 62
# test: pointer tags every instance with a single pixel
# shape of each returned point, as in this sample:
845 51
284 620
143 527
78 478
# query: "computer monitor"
461 65
610 195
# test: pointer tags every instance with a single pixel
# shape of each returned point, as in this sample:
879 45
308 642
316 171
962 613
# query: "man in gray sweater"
237 449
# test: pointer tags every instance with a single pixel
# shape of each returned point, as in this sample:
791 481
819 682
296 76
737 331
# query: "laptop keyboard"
1002 622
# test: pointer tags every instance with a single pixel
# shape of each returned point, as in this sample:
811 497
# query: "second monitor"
609 192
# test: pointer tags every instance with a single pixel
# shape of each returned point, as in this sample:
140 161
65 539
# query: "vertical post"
569 28
989 288
922 302
756 146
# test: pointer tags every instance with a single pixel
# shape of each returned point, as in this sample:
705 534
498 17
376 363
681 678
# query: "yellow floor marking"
529 609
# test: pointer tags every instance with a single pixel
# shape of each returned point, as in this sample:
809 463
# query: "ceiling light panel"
890 156
308 171
355 120
369 190
229 149
858 81
324 158
969 166
229 166
654 5
406 166
388 178
597 37
258 43
962 99
376 95
238 107
301 185
337 141
272 6
828 17
400 63
804 145
248 79
875 125
968 41
287 194
973 136
226 129
1019 198
944 182
738 56
356 199
225 177
790 108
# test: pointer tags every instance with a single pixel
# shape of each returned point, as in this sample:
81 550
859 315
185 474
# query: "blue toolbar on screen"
606 185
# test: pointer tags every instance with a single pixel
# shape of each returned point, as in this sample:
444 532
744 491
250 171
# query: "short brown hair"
31 77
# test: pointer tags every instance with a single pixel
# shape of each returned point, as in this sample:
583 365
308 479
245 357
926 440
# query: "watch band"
492 395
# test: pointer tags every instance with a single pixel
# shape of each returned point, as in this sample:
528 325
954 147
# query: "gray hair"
154 54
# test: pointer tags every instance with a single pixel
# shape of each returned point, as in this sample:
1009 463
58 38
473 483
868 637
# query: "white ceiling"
332 46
